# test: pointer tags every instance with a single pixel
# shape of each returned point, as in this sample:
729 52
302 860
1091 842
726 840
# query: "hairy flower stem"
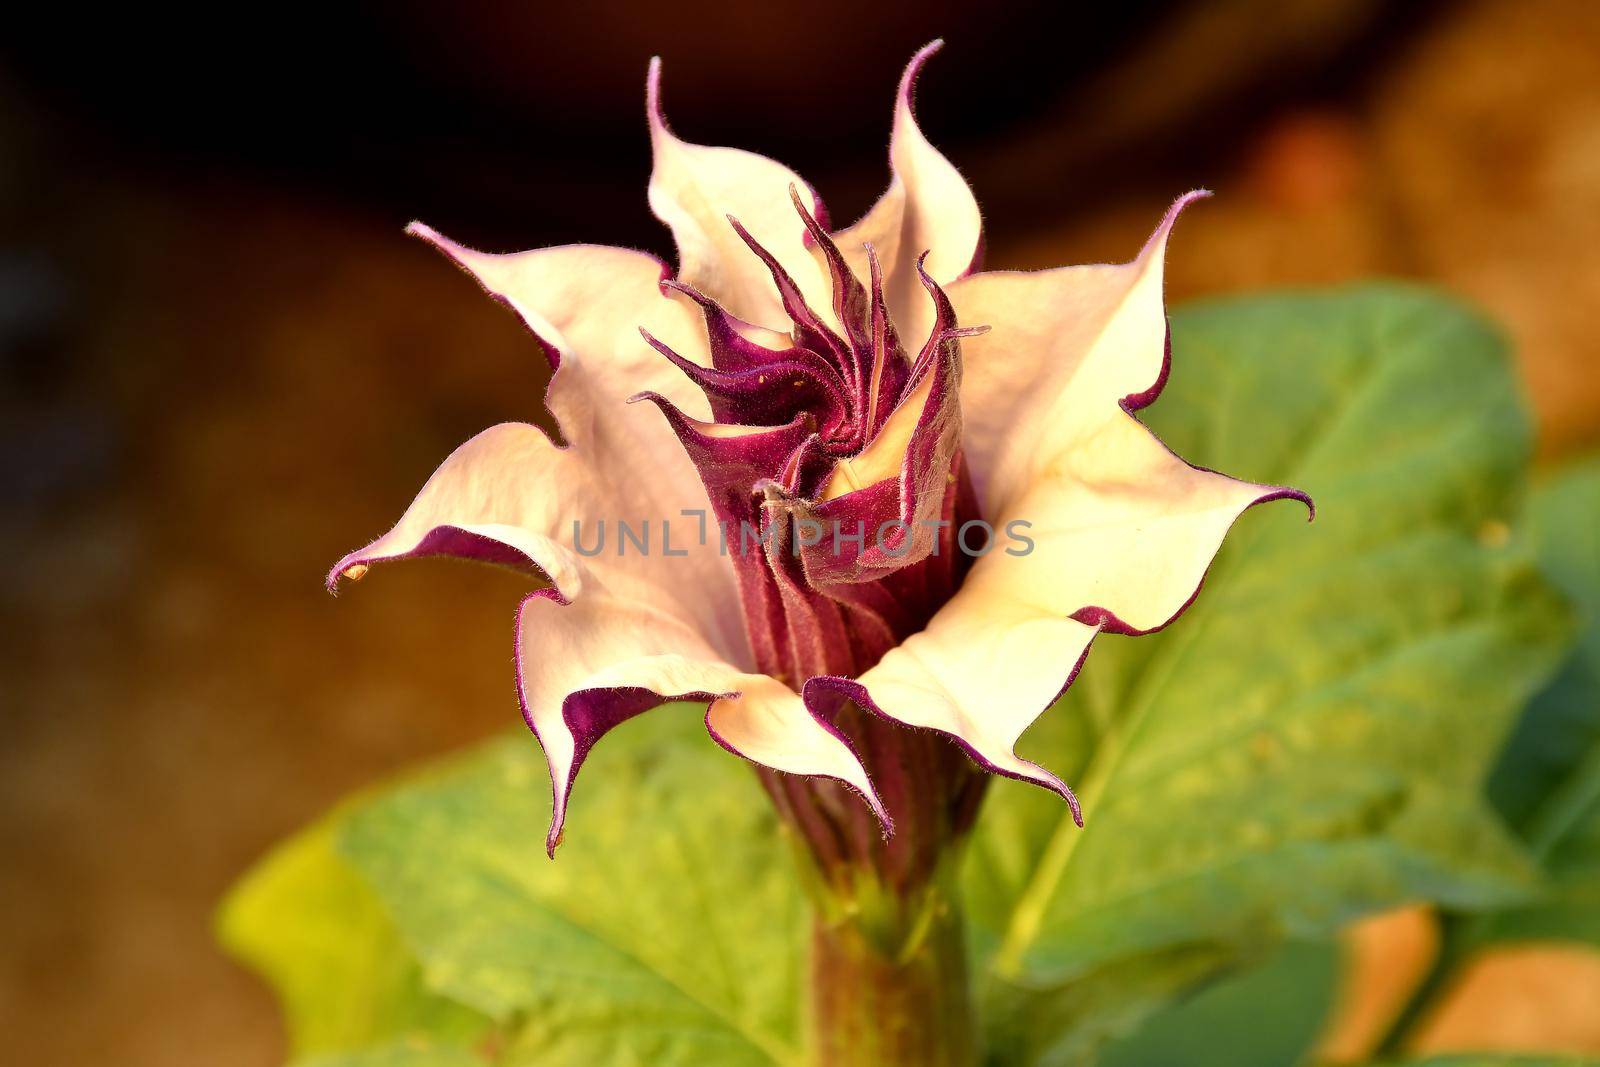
889 982
874 1006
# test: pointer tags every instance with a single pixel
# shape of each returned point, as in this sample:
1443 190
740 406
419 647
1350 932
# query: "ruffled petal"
1098 525
695 188
586 666
1122 529
982 672
1069 350
492 500
928 207
586 304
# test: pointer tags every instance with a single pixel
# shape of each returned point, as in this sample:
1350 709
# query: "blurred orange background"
223 366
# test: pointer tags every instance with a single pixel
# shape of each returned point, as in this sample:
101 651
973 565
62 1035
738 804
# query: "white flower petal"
584 667
497 498
694 188
928 207
586 304
1066 350
1119 530
982 671
1124 529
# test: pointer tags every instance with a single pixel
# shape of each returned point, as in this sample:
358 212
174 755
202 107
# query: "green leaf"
1493 1059
1310 742
1548 782
310 925
409 1054
1267 1016
669 931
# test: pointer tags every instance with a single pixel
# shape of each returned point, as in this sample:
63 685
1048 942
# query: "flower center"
833 465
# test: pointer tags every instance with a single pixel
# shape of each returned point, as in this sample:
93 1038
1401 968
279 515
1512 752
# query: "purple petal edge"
445 540
447 248
885 823
852 690
656 117
616 705
1107 620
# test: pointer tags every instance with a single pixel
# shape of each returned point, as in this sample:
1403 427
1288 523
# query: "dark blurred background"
222 365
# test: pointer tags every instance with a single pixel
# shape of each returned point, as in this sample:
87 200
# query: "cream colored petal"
498 498
1065 349
982 671
587 303
1122 529
928 207
694 188
586 666
1098 525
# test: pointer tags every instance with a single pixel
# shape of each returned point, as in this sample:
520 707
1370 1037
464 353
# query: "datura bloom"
875 500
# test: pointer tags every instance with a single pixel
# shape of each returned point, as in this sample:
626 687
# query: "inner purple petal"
840 555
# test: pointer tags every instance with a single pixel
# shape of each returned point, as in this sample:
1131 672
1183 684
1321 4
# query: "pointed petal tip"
458 254
1182 202
908 80
1158 238
655 115
1287 493
349 568
858 781
1038 776
869 795
885 822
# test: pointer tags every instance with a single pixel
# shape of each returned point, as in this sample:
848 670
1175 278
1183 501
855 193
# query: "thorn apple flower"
871 382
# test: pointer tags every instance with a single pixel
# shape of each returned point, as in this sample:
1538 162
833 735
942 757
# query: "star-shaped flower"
870 475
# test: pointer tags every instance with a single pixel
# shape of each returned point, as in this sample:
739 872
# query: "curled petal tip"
885 823
653 112
1186 199
915 66
652 87
1284 492
1062 790
423 232
344 570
